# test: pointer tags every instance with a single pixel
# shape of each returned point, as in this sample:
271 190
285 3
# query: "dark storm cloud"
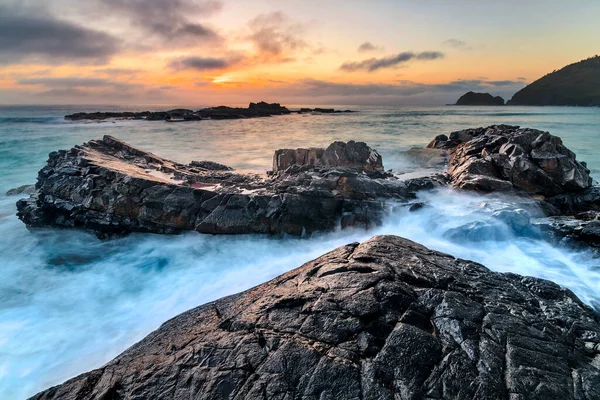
374 64
368 46
200 63
25 36
168 20
457 44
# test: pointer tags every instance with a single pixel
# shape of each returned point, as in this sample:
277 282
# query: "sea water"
70 303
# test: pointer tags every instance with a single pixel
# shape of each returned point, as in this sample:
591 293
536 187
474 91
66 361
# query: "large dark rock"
112 188
504 157
386 319
479 99
354 155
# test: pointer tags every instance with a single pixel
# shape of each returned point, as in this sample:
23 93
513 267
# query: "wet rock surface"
505 158
113 188
385 319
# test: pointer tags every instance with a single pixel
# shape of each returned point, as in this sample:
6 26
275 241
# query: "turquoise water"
69 303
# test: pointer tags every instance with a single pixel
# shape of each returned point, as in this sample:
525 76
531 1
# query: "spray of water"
70 303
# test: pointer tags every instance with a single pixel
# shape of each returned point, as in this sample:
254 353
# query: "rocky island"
254 110
385 319
113 188
576 84
479 99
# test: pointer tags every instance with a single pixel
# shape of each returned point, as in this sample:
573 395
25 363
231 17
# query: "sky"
296 52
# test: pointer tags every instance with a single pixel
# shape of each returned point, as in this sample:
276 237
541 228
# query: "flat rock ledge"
385 319
113 188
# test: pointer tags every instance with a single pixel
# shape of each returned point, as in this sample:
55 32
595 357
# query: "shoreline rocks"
254 110
384 319
113 188
505 157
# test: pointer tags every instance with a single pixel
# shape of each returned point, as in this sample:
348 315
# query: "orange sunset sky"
194 53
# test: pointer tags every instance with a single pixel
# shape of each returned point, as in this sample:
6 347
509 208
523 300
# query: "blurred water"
69 303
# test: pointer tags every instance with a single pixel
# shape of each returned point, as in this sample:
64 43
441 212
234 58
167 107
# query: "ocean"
70 303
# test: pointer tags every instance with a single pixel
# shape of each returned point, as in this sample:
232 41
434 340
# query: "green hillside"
576 84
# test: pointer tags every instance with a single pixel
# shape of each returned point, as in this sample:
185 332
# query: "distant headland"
254 110
576 84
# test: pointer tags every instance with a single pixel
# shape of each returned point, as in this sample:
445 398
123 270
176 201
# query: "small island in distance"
479 99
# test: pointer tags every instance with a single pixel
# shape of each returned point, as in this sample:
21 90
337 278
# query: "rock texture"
479 99
354 155
504 157
386 319
113 188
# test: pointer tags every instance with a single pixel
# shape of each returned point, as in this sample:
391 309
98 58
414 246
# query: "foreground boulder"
355 155
386 319
113 188
504 157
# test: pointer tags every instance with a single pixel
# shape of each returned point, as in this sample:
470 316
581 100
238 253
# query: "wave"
29 120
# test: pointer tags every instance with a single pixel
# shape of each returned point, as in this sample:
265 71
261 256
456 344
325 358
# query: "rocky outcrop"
354 155
113 188
385 319
322 111
503 157
254 110
479 99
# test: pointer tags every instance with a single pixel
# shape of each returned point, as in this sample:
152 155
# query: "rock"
479 99
355 155
504 158
24 189
569 231
210 165
385 319
112 188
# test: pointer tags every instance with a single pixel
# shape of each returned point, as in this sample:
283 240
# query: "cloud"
66 81
27 37
170 21
274 34
368 46
204 63
457 44
119 71
374 64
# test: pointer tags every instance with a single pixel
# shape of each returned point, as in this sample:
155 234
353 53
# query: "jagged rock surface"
386 319
504 157
355 155
112 188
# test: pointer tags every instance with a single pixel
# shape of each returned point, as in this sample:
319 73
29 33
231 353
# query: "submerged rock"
504 158
24 189
385 319
110 187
